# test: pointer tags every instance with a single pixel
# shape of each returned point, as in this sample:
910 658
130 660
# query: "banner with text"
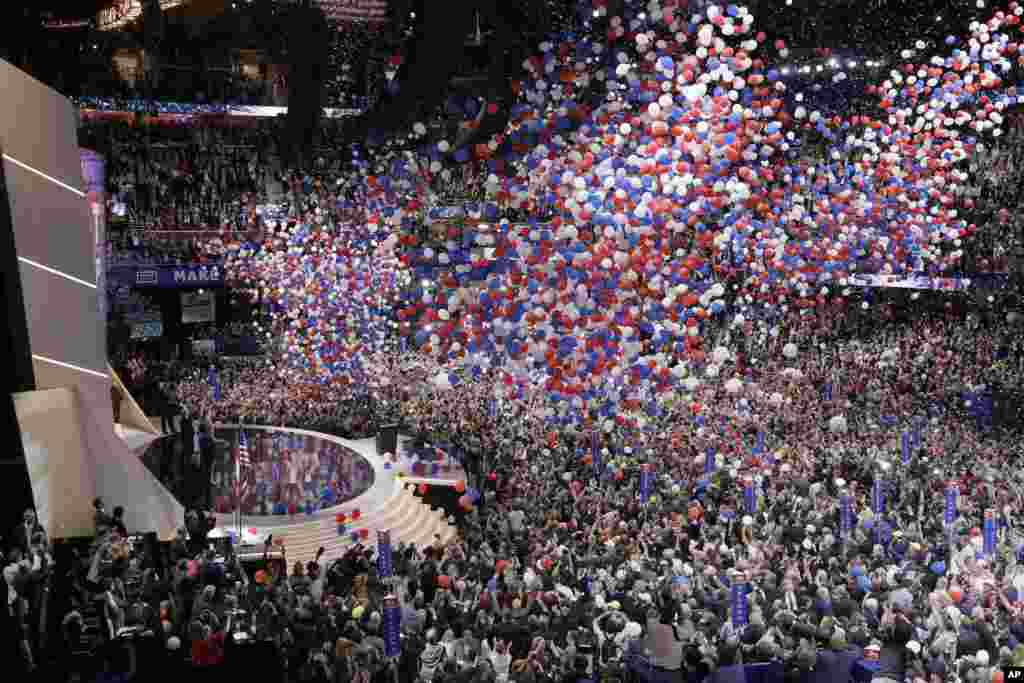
169 277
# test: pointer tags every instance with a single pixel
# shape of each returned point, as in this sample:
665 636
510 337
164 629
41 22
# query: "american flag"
368 11
242 460
243 451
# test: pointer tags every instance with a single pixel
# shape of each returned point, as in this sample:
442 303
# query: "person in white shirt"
516 518
499 657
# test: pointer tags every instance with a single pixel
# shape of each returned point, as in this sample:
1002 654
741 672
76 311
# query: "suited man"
187 437
21 537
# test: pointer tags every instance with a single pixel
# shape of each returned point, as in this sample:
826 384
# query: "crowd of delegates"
576 552
247 392
567 554
132 248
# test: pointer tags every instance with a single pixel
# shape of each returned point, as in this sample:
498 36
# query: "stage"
387 502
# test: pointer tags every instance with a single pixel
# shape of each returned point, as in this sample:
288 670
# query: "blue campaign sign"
384 568
989 533
949 514
738 607
845 515
646 475
877 498
392 627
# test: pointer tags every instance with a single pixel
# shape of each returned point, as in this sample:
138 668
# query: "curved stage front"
293 467
290 473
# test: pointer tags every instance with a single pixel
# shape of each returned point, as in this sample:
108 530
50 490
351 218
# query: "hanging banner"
168 277
946 284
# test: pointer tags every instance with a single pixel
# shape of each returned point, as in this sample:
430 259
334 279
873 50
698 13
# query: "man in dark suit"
21 537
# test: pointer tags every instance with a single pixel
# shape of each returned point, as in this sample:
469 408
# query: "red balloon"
422 488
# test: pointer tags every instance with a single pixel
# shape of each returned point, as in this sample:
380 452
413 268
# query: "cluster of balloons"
329 291
685 194
682 195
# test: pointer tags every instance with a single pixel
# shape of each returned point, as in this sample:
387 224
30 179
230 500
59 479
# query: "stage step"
405 515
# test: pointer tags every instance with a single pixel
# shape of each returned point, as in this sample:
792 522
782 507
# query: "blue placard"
749 498
845 515
949 514
645 483
989 534
709 461
877 498
384 568
905 448
738 608
392 627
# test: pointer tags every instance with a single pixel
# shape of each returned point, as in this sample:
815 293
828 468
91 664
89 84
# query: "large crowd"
700 459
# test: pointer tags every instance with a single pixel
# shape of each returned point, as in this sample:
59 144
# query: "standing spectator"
21 537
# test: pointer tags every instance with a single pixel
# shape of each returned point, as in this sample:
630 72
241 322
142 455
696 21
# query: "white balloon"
789 350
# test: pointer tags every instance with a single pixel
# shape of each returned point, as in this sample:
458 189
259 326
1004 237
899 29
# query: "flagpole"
238 490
